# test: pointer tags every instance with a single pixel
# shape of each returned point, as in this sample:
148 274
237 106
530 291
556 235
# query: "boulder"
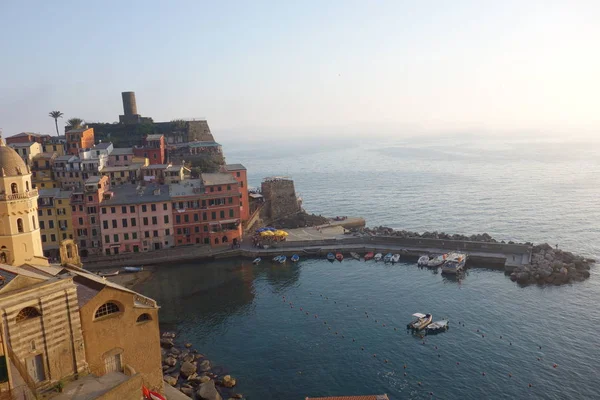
204 366
187 358
187 369
204 379
585 274
523 277
189 392
170 361
207 391
175 351
192 376
228 381
188 345
166 343
171 380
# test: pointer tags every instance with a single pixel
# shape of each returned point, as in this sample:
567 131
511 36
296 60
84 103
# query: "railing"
16 196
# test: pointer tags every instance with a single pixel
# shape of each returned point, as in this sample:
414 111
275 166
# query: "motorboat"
295 258
455 263
395 258
256 260
387 258
354 255
369 256
276 258
331 257
105 274
421 321
423 261
437 261
437 327
282 259
378 256
339 257
133 269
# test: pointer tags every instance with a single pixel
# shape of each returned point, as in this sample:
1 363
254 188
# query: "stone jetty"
552 266
193 374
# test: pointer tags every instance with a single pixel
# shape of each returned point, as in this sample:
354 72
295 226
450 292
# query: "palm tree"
75 123
56 115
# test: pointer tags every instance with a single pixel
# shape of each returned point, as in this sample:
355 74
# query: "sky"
267 69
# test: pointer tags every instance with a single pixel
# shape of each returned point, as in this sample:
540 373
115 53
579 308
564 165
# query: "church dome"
11 164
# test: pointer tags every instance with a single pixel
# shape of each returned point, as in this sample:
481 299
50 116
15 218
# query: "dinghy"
105 274
276 258
437 327
395 258
423 260
437 261
369 256
256 260
331 257
354 255
378 256
421 322
133 269
282 259
295 258
339 257
387 258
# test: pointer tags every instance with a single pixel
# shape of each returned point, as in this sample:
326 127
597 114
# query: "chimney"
129 105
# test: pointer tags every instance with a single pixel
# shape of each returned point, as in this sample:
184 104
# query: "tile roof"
117 151
102 146
65 158
217 178
131 167
130 194
154 137
234 167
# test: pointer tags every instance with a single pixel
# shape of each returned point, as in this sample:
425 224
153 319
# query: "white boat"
276 258
437 261
455 263
256 260
423 261
437 326
282 259
395 258
421 321
354 255
387 258
378 257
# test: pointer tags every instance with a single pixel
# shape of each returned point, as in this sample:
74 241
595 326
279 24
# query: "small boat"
133 269
437 261
423 261
339 257
437 327
455 262
256 260
378 257
282 259
395 258
276 258
150 395
295 258
369 256
387 258
354 255
421 322
331 257
105 274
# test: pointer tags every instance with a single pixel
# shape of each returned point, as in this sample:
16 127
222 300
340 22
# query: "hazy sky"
260 68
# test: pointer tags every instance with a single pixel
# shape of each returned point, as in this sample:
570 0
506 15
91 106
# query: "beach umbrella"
259 230
281 233
269 228
266 233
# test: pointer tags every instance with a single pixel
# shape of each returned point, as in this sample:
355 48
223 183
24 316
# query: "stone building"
280 197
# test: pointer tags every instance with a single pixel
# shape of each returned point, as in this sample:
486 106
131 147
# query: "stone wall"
199 131
280 197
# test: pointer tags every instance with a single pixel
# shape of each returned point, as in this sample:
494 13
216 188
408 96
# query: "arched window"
33 221
106 309
27 313
27 186
13 188
20 225
144 317
224 240
216 240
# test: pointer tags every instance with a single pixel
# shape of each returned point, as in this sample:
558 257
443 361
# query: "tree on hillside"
56 115
75 123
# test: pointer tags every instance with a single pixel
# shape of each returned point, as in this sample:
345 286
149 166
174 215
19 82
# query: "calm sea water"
520 190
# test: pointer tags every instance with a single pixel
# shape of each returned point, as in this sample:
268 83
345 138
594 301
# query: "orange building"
82 138
28 137
238 171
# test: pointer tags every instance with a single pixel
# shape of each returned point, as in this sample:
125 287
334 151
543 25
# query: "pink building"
85 215
136 219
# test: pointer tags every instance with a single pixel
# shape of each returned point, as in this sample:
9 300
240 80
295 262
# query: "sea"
317 328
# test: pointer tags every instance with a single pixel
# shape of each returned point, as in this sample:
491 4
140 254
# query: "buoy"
419 383
500 336
325 322
321 295
335 302
477 330
423 342
394 328
386 361
405 374
457 363
374 355
435 347
353 340
404 366
555 365
439 355
336 333
362 348
367 316
510 343
509 375
540 347
431 393
530 385
482 335
483 373
383 325
307 313
539 359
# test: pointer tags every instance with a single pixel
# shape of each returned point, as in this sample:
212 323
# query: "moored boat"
387 258
282 259
339 256
378 256
355 255
455 263
437 261
421 321
133 269
276 258
105 274
369 256
423 260
395 258
295 258
256 260
437 327
331 257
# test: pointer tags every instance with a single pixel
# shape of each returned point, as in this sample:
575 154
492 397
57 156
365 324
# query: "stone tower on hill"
20 240
280 197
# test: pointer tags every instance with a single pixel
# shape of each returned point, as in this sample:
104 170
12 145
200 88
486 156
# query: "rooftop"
117 151
156 166
154 137
92 179
78 130
188 187
196 144
217 178
102 146
131 167
28 134
44 155
234 167
26 144
49 192
131 194
65 158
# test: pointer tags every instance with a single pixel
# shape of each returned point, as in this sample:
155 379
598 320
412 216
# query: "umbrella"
267 233
281 233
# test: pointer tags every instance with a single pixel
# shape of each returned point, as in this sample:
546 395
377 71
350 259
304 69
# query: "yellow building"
55 147
20 240
54 213
42 176
27 151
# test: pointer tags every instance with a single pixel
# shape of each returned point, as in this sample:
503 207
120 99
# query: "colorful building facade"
153 148
81 138
55 220
239 173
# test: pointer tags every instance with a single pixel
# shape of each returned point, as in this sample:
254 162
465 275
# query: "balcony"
19 196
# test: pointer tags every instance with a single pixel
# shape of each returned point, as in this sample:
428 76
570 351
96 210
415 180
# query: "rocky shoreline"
193 374
552 266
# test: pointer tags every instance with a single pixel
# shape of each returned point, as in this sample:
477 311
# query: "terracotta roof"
372 397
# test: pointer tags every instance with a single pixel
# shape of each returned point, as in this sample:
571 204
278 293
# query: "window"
49 212
231 212
50 224
113 210
197 229
144 318
186 218
145 220
105 224
94 233
165 206
203 203
178 219
206 241
107 251
133 222
53 238
125 158
144 208
219 188
154 220
114 223
43 238
213 215
167 232
166 218
204 216
106 309
237 174
106 239
27 313
196 217
212 188
124 209
153 207
117 159
147 234
124 221
42 225
90 198
134 236
222 213
228 187
179 231
80 220
20 225
216 240
132 209
13 188
155 233
231 200
242 184
126 236
116 238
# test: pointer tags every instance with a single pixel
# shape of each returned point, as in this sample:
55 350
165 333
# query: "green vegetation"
209 163
75 123
56 115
